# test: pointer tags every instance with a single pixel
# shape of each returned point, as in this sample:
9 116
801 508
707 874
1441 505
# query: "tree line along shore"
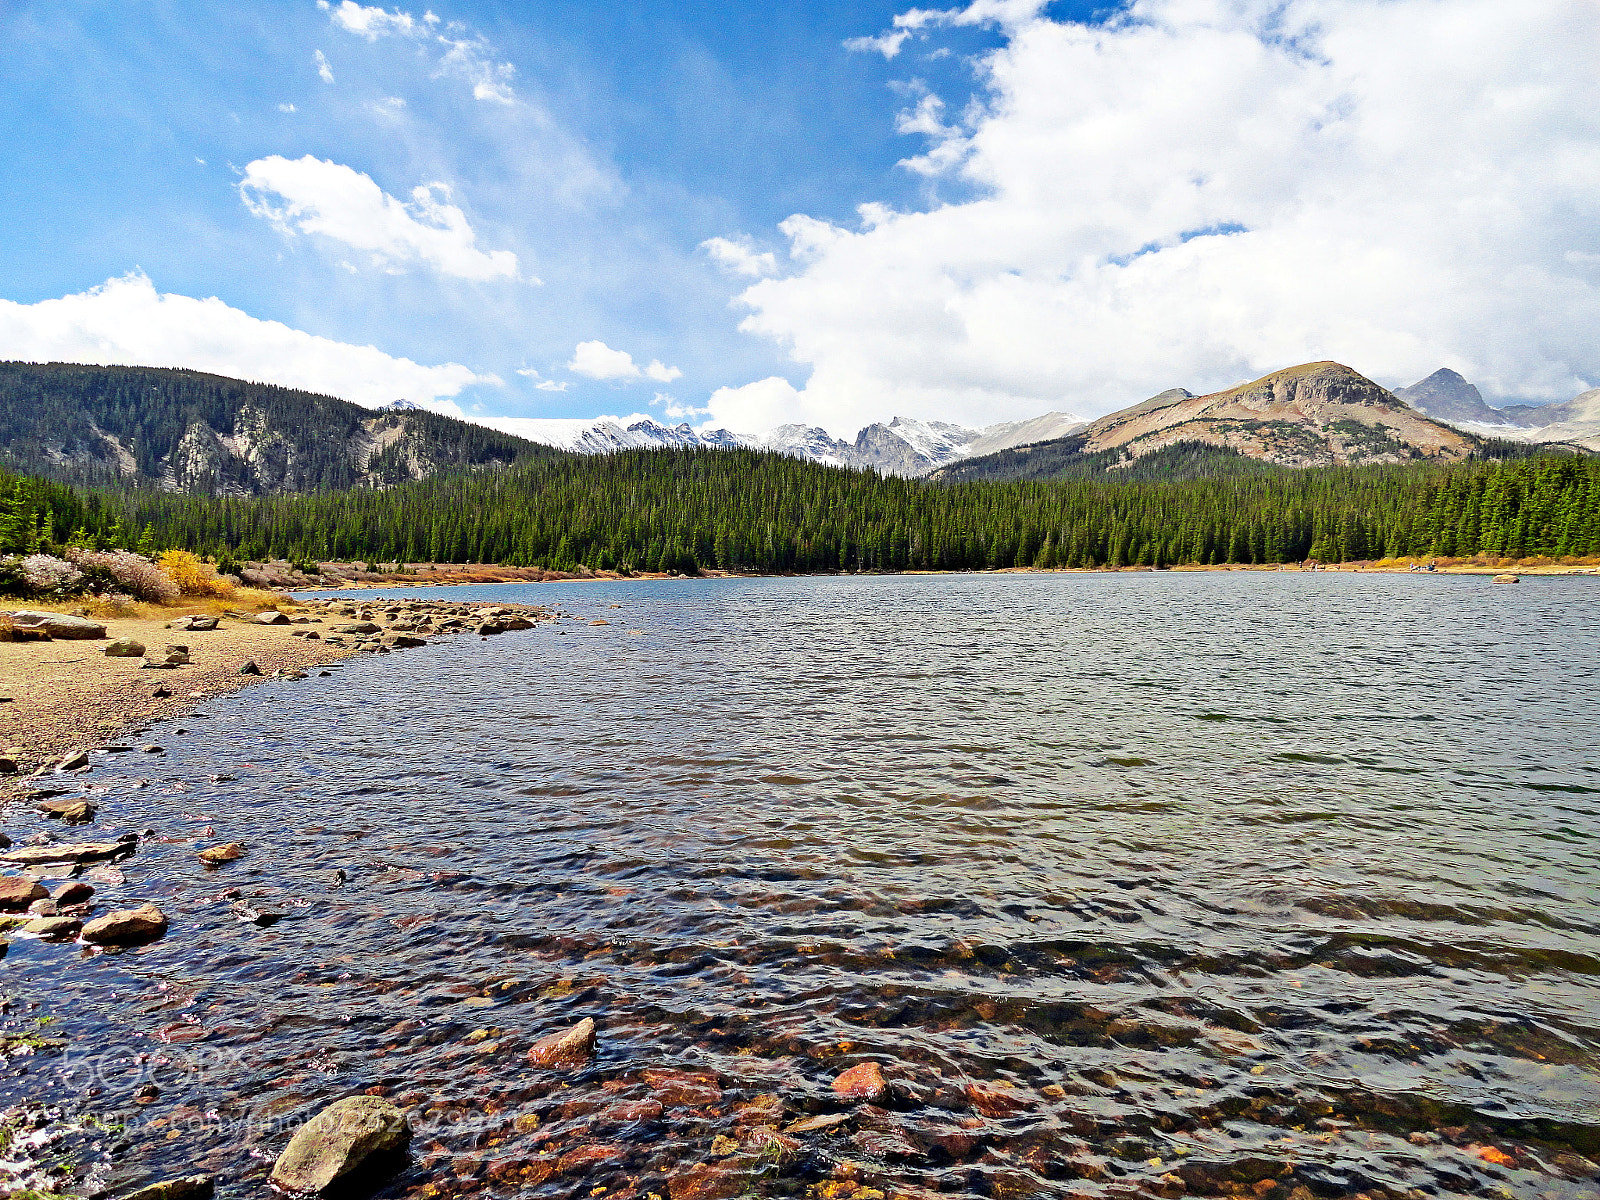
759 512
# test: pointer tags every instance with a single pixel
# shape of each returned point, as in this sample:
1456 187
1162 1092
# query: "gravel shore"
60 695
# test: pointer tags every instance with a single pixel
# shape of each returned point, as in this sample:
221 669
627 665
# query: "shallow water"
1134 884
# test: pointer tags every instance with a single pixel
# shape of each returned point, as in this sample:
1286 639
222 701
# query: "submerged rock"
191 1187
216 855
1507 579
862 1082
337 1141
127 926
572 1048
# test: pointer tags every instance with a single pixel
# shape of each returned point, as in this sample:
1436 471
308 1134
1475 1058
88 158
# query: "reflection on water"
1134 885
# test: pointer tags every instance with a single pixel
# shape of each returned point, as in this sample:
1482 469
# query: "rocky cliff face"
1311 415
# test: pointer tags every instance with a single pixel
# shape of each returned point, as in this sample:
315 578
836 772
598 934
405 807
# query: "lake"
1136 884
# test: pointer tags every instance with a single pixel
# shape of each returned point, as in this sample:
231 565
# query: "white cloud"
472 59
599 361
370 22
286 108
550 385
323 69
125 321
465 54
740 257
315 196
678 412
756 407
528 372
1198 191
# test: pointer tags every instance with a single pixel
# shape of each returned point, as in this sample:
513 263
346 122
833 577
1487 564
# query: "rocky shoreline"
51 884
70 683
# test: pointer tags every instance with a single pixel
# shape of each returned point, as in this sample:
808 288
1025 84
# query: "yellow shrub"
193 577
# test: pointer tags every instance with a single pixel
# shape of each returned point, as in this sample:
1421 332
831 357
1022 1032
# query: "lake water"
1264 884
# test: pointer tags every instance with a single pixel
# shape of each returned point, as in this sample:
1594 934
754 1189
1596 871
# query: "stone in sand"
125 648
58 625
571 1048
337 1141
271 618
216 855
250 668
127 926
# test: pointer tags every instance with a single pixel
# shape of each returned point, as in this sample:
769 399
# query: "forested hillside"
749 510
187 431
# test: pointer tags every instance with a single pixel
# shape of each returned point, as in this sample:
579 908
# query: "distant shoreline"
458 575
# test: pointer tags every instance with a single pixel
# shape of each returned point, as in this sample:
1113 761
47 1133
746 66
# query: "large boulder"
127 926
571 1048
337 1141
356 627
270 618
125 648
17 893
58 625
197 623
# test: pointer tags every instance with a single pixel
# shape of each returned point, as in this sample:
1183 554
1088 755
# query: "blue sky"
659 207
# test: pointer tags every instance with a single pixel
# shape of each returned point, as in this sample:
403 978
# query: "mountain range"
1315 414
901 447
1447 396
186 431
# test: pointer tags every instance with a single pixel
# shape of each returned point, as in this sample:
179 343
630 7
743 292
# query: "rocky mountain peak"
1447 396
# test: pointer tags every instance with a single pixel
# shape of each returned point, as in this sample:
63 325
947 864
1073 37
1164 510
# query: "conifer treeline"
749 510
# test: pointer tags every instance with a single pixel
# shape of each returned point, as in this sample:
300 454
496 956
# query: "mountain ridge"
1314 414
186 431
